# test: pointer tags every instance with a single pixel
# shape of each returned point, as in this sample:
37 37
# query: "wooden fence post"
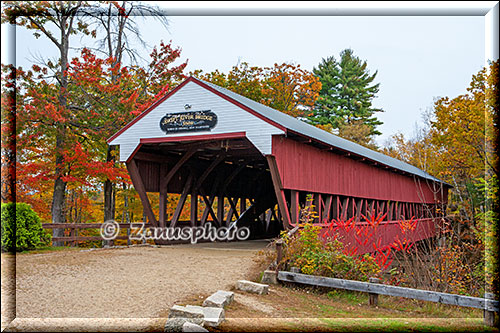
489 316
144 220
373 300
279 253
72 234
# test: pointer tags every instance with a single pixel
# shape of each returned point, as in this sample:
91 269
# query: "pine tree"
346 95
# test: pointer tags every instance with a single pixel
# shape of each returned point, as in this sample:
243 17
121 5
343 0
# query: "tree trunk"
59 196
109 193
125 214
9 143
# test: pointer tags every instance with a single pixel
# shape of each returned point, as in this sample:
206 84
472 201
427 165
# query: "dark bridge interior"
225 182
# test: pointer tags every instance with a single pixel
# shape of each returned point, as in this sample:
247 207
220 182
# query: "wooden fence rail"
489 305
77 226
86 225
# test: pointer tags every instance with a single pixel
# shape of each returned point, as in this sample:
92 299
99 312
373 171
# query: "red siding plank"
306 168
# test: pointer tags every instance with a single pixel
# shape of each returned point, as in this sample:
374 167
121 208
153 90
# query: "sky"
417 58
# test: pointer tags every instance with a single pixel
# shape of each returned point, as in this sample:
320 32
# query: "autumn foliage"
286 87
96 107
458 144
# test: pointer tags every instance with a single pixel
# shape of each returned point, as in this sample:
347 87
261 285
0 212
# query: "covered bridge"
247 164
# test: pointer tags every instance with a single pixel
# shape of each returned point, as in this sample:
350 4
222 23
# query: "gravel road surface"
133 282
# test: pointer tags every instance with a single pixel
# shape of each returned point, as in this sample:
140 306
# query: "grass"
356 325
314 309
405 325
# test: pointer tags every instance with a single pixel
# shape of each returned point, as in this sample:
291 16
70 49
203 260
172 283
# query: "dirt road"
135 282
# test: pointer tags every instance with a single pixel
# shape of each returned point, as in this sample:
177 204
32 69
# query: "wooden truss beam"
344 207
178 165
359 208
318 206
327 208
230 178
220 208
223 191
136 178
208 170
279 191
193 218
198 188
150 157
208 209
162 218
209 201
294 206
182 200
164 184
232 211
243 205
230 214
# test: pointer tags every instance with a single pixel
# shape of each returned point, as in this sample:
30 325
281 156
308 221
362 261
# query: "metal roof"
320 135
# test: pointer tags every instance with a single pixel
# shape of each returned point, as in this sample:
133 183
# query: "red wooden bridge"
251 165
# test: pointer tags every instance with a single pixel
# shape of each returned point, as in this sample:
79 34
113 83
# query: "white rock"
212 316
190 327
192 315
252 287
220 299
269 277
174 325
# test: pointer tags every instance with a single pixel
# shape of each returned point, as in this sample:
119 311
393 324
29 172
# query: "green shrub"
21 228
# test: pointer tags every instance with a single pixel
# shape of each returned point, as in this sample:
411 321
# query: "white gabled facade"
230 119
